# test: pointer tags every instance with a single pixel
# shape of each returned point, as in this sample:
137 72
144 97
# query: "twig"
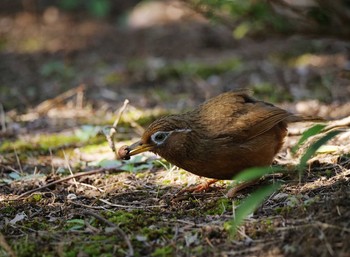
209 243
51 158
9 168
45 106
2 118
80 97
76 183
6 246
111 224
18 161
121 110
131 206
69 168
109 136
342 124
87 206
77 175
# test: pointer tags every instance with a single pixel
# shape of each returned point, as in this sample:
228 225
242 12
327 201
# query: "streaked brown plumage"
223 136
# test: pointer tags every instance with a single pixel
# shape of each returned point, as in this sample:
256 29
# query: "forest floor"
64 81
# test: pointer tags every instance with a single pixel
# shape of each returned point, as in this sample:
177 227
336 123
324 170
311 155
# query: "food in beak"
123 152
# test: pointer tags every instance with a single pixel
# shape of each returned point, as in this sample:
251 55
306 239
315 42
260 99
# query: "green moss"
163 251
36 197
94 148
95 249
71 253
285 210
39 143
7 209
166 182
26 248
92 245
120 217
198 251
141 175
37 224
45 142
153 233
267 225
221 206
113 78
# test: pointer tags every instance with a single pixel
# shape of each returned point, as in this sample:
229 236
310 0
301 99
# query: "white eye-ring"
160 136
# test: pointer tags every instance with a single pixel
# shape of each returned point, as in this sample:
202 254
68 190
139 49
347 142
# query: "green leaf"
313 148
76 221
314 130
250 204
108 164
85 132
14 175
255 173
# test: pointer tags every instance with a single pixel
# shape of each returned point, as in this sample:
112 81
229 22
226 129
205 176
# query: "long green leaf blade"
250 204
314 130
255 173
313 148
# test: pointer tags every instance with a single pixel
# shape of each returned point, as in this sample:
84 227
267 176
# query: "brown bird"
221 137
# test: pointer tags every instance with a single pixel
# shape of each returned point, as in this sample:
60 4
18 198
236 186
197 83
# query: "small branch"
45 106
69 168
131 206
77 175
80 97
113 130
111 224
120 113
18 161
2 118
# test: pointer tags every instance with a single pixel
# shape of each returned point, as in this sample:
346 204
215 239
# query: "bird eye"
159 137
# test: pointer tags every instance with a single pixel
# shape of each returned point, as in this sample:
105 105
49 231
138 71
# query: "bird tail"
303 118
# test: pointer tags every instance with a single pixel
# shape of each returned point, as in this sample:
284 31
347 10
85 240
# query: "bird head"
165 136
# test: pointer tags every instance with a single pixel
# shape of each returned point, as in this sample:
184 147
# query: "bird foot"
198 188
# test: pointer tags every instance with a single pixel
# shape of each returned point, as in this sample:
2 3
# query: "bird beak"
138 147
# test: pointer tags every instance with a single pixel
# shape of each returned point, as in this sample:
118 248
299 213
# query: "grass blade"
313 148
255 173
314 130
250 204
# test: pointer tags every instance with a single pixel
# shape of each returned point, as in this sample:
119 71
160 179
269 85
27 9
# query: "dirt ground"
64 78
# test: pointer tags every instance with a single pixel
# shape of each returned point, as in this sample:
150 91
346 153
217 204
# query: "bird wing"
239 116
262 119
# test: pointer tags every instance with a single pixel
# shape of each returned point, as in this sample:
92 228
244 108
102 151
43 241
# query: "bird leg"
234 190
201 187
